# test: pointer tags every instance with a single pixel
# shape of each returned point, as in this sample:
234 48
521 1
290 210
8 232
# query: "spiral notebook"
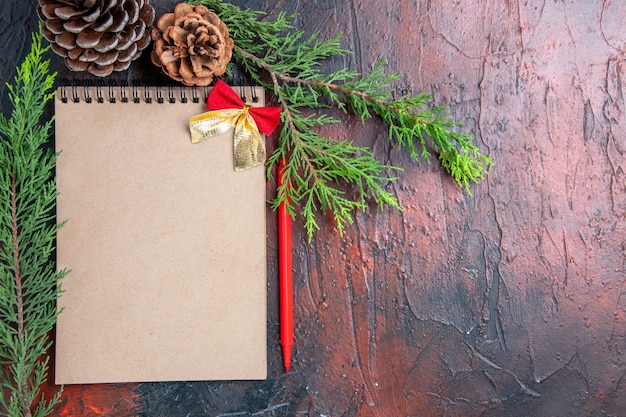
165 242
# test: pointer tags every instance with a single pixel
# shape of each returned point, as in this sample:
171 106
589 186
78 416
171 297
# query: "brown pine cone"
191 45
98 36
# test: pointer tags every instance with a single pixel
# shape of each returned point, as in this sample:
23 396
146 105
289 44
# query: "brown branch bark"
22 379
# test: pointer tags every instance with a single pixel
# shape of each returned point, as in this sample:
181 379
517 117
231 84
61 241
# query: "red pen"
285 275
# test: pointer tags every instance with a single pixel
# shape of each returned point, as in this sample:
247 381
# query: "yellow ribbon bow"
249 148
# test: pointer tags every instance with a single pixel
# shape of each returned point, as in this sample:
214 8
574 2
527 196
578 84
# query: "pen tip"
286 369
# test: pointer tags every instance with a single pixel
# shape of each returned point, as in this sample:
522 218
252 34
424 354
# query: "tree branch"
22 378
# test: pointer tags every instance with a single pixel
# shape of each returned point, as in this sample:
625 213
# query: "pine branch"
28 279
318 168
316 163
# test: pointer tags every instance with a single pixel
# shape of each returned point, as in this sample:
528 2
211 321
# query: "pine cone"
191 45
98 36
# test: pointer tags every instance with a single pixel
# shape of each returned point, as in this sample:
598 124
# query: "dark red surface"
511 302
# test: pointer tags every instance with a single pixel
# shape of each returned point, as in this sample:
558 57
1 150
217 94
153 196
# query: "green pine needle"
28 278
319 168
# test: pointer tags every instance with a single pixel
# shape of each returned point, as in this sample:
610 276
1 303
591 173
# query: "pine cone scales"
191 45
98 36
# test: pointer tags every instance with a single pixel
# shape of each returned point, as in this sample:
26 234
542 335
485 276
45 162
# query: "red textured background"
510 302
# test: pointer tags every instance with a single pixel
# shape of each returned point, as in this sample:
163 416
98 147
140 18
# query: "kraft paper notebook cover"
165 242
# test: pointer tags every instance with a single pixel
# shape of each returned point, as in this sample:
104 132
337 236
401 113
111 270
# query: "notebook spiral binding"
142 92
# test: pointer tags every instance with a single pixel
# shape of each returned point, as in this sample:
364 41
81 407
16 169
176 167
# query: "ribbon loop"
228 111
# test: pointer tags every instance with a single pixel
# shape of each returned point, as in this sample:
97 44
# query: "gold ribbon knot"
249 147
